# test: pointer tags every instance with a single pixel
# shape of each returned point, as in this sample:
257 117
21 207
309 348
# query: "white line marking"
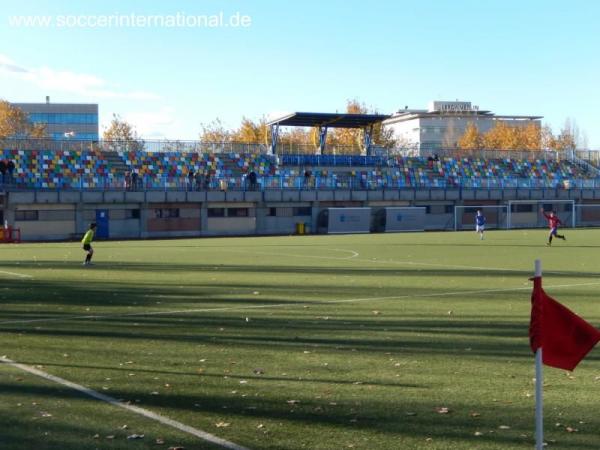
353 253
336 258
280 305
135 409
14 274
391 261
459 266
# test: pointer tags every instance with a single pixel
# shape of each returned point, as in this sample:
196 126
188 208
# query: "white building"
443 123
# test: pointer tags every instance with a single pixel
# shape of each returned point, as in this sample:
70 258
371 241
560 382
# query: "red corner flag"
564 336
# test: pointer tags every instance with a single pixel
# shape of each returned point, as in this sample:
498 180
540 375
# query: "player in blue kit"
480 223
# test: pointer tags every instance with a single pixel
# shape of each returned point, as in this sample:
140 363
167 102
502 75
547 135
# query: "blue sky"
512 57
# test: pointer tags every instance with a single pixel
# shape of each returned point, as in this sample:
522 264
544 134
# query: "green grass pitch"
399 341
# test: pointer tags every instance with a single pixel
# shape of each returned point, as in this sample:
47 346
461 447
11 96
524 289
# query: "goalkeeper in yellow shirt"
87 244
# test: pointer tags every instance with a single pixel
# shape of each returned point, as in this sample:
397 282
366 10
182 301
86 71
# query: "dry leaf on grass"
135 436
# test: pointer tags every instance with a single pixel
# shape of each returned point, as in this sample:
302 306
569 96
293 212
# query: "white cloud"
157 124
72 82
7 65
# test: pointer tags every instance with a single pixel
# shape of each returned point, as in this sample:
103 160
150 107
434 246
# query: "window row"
69 215
290 212
57 118
76 136
228 212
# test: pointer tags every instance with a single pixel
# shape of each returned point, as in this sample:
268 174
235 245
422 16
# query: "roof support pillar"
322 139
274 138
368 136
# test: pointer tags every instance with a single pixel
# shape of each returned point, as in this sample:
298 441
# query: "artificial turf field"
399 341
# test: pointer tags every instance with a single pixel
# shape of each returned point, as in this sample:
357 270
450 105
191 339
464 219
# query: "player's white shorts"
479 228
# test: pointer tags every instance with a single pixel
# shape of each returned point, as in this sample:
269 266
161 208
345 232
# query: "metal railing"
196 146
102 145
294 182
590 156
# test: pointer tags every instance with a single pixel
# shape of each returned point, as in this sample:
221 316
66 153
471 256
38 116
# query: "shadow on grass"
386 419
407 337
413 269
261 378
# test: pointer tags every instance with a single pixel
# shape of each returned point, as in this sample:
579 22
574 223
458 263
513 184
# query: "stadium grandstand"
189 188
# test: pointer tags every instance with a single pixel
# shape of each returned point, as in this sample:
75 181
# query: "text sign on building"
453 107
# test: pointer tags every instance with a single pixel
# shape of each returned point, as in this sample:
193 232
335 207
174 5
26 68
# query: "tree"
531 136
471 139
299 140
547 139
495 137
215 132
251 132
14 122
354 137
570 137
504 136
121 134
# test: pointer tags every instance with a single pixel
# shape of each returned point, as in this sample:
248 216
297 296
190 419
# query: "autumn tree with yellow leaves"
251 132
354 137
121 133
301 139
504 136
471 138
14 122
215 132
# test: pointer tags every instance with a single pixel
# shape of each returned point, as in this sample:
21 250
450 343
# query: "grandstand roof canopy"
330 120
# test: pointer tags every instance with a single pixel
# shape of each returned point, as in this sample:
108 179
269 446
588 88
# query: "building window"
64 118
59 215
303 211
216 212
166 213
285 212
272 212
132 213
26 215
237 212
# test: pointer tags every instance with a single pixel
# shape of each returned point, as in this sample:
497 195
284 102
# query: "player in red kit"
553 223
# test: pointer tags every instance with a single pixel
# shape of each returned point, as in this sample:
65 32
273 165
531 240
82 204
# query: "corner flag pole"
539 382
